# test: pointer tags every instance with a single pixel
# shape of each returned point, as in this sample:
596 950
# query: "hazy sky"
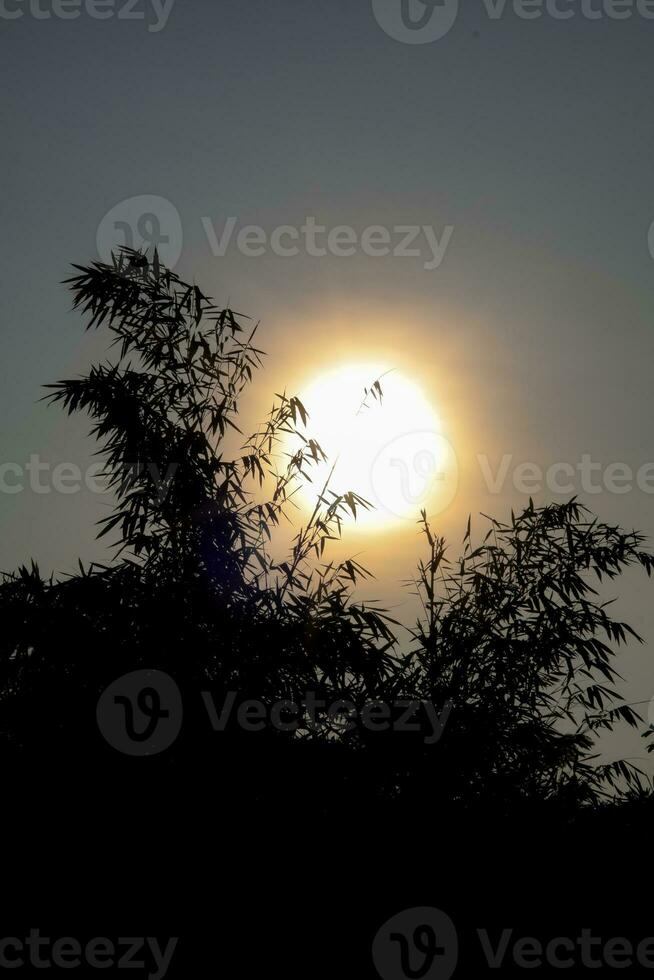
524 146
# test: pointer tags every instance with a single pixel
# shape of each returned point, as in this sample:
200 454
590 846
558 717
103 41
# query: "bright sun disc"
392 452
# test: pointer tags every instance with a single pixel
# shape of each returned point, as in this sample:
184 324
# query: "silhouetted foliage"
513 636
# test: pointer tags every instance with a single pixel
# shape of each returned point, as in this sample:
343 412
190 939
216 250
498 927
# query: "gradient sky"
532 138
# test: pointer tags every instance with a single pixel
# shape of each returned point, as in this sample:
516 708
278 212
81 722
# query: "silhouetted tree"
513 637
517 637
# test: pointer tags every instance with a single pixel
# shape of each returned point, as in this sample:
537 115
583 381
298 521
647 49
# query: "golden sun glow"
392 451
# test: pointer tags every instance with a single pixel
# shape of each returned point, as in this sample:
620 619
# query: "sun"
389 450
